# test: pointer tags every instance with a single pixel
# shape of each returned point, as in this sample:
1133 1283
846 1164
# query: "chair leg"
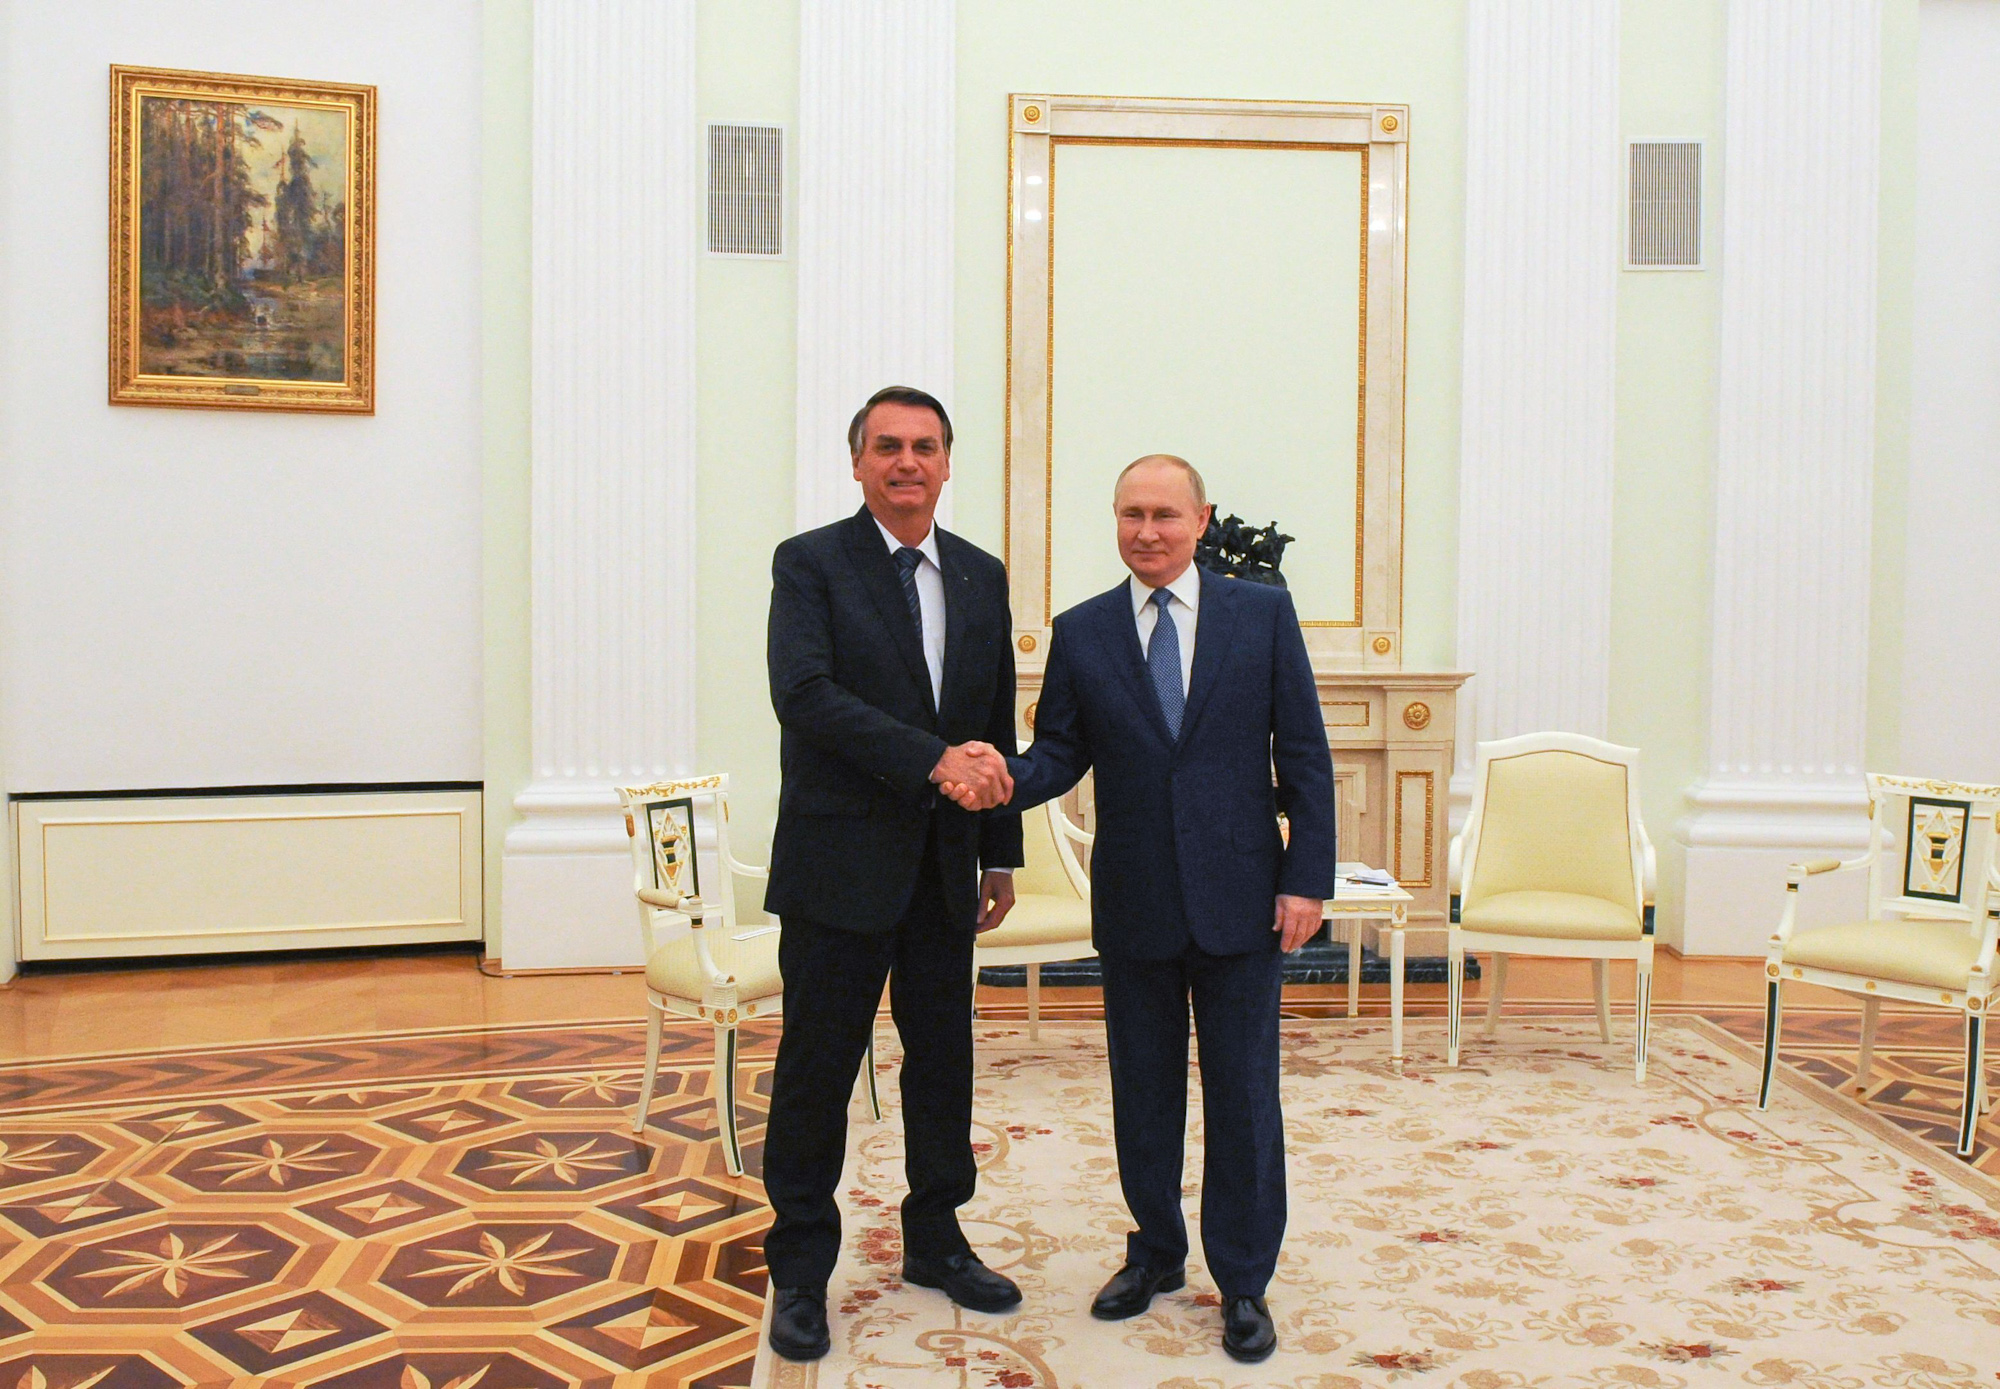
1034 1003
656 1021
1600 982
1493 992
1354 967
1455 972
725 1097
1773 1015
1975 1071
1642 1013
868 1081
1871 1013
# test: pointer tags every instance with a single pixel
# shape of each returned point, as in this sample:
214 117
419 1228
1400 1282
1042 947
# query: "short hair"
1187 468
895 395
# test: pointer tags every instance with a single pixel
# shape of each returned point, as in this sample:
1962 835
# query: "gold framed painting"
242 242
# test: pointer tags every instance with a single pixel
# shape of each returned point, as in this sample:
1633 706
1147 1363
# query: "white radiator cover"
105 878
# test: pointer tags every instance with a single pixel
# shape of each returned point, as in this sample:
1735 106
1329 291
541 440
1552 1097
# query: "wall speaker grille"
1664 222
746 180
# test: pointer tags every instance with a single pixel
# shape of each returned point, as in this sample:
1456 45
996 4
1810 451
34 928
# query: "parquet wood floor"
410 1206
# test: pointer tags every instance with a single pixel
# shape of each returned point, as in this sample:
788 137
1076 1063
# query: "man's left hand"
996 899
1298 919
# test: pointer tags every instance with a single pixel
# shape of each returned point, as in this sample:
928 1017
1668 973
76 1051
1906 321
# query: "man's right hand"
974 775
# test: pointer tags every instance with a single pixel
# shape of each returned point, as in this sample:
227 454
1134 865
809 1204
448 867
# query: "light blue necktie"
1163 661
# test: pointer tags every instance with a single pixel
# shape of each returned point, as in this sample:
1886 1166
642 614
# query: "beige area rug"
1533 1218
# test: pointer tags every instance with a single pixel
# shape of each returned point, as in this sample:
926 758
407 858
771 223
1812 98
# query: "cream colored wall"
1663 491
1895 315
507 55
746 386
1671 81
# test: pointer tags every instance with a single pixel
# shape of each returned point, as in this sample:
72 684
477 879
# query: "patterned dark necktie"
1163 662
907 560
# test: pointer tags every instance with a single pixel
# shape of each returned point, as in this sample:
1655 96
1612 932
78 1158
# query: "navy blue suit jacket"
1187 846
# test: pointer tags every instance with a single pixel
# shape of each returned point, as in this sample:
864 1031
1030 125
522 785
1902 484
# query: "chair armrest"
754 932
1795 877
1070 829
1797 873
1982 968
1651 863
1455 858
745 870
667 902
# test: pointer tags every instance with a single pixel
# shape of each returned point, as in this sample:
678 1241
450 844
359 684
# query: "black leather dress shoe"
1247 1333
964 1280
798 1323
1131 1290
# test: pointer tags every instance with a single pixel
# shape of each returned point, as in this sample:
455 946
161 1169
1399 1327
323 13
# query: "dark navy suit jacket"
861 731
1187 845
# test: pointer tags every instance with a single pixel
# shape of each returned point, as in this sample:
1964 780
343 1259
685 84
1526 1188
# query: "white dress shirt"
930 597
1184 608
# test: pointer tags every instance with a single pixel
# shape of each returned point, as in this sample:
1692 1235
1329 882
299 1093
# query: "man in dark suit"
892 671
1184 690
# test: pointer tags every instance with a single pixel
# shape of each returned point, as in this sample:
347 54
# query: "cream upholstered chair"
1051 916
698 963
1553 860
1933 915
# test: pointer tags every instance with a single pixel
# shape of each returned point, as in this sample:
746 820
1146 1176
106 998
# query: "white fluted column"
1795 460
1536 450
877 85
616 171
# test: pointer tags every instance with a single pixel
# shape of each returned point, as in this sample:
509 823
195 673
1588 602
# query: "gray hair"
1187 469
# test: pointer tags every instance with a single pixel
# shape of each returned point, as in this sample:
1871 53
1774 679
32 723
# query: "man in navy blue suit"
1184 690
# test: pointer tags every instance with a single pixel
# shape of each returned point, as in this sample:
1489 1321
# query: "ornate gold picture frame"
242 242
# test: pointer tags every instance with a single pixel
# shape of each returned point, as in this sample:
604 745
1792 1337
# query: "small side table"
1352 904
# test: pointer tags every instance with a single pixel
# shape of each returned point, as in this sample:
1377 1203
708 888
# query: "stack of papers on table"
1361 875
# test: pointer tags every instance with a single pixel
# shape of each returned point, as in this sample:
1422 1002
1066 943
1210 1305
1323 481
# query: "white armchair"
1931 931
699 964
1051 916
1553 860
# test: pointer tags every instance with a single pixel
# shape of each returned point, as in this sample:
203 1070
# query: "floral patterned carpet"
465 1208
1532 1219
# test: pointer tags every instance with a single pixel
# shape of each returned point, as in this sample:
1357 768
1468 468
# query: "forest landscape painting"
242 259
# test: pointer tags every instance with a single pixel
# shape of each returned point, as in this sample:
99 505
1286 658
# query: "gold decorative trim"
1389 123
354 395
1382 645
1416 715
1028 714
1332 722
1960 789
1031 114
1430 821
1027 642
685 786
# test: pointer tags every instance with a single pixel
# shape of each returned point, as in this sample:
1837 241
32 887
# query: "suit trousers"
833 985
1235 1001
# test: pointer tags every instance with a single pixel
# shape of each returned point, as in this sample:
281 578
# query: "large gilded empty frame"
1221 280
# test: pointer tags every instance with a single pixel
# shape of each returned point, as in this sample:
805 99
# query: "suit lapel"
878 576
1131 660
1214 629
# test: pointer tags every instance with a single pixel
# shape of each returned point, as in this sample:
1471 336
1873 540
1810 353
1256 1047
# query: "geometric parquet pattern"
468 1207
424 1212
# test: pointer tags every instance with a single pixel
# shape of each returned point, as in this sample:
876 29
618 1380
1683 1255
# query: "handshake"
974 775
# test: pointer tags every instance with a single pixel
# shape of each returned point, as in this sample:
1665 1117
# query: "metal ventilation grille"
1664 227
746 179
